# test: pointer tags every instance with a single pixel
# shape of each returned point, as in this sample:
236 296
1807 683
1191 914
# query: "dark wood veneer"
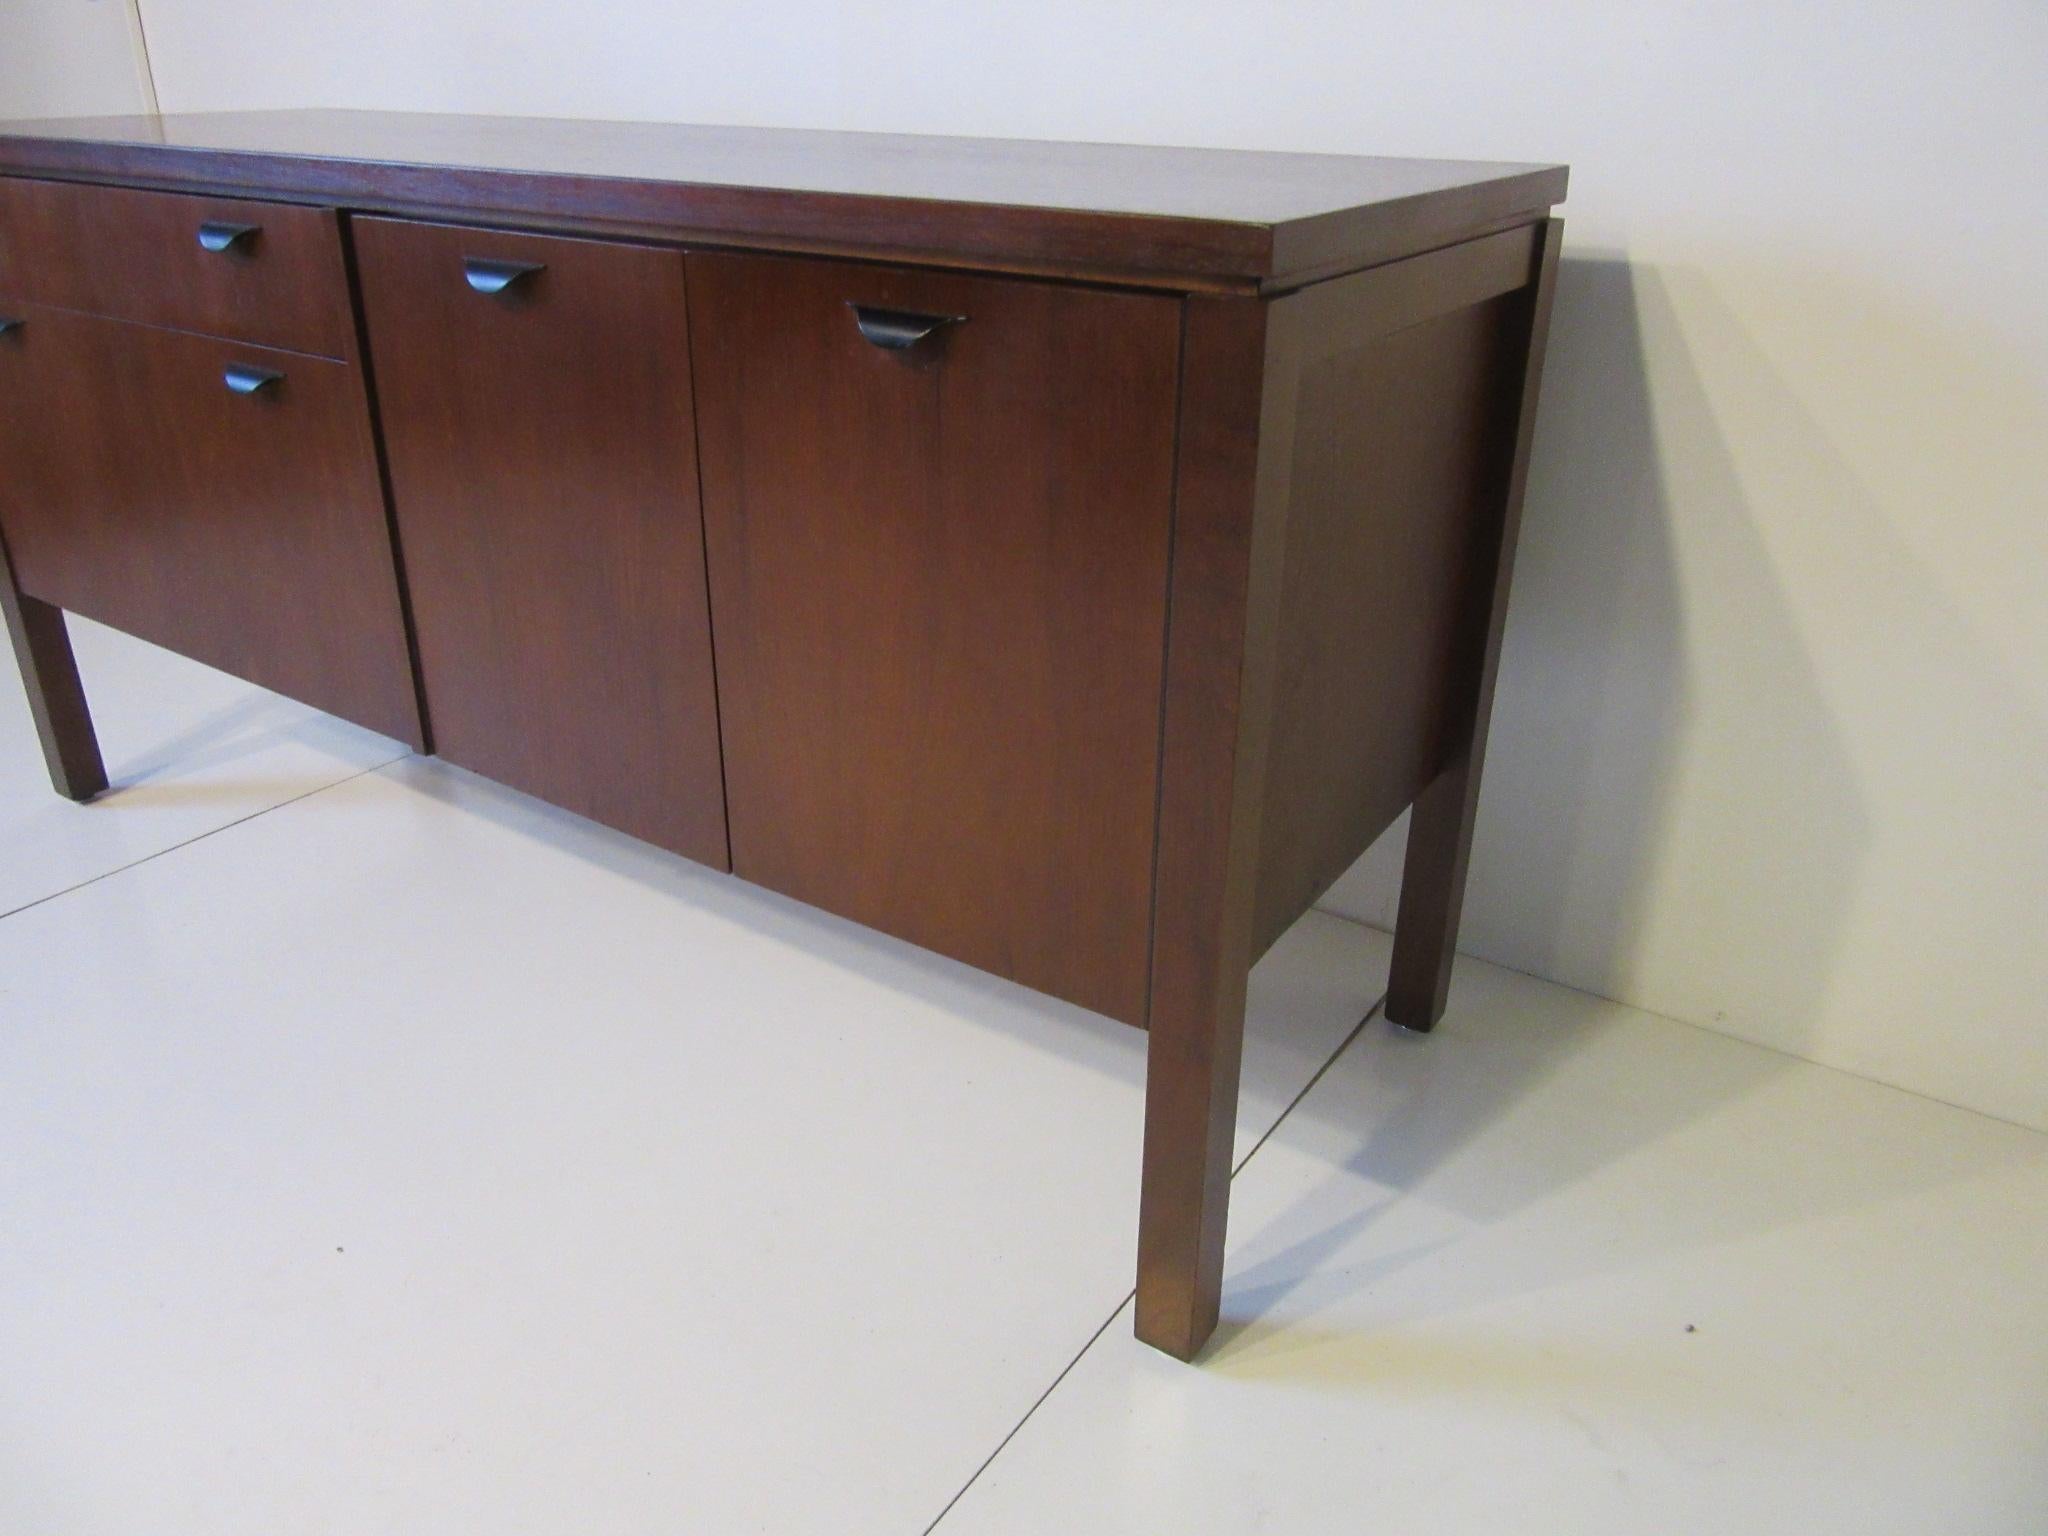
1229 515
939 582
1395 487
137 256
245 531
1246 668
1440 831
1110 211
545 482
1092 566
56 698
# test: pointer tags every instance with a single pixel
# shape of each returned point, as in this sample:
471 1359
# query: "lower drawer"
219 499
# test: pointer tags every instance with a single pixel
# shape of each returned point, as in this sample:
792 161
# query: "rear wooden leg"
56 698
1432 896
1191 1079
1440 829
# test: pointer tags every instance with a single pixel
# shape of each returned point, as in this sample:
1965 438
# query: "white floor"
383 1152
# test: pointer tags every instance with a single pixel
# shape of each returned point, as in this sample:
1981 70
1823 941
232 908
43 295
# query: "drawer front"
535 395
938 573
276 280
143 488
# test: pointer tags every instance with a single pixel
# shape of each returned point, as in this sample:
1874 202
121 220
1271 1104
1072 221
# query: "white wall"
1774 714
62 57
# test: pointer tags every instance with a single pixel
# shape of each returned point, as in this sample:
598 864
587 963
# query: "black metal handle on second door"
247 379
487 276
898 330
217 236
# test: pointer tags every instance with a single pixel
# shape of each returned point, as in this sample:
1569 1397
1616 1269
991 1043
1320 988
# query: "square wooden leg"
1440 828
49 673
1219 665
1432 896
1191 1084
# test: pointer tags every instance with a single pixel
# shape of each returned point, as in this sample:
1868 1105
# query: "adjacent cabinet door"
937 509
535 395
216 498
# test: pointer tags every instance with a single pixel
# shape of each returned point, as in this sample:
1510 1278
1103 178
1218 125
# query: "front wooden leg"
1219 673
1191 1079
56 698
1440 828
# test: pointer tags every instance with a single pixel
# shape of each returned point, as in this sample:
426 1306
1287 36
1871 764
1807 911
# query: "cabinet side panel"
1397 459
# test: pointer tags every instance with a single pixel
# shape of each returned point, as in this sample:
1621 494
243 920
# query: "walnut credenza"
1067 558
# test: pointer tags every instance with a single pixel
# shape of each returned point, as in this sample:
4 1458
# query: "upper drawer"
164 258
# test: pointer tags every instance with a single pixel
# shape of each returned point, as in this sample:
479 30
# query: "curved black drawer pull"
897 329
9 323
487 276
215 235
247 379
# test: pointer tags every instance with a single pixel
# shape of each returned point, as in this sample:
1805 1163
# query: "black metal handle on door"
247 379
898 329
488 277
217 236
9 323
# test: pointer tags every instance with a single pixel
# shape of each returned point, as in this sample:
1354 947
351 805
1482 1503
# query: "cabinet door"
939 576
535 397
216 498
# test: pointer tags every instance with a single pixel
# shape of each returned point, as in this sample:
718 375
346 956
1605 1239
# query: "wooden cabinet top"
1182 218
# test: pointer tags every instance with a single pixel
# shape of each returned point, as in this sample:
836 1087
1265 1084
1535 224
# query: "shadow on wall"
1612 714
1592 759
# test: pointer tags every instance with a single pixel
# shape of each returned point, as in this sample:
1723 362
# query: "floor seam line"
200 837
1379 1003
1037 1403
1129 1296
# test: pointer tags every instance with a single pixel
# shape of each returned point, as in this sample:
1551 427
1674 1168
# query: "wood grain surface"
939 586
1117 211
244 531
544 480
